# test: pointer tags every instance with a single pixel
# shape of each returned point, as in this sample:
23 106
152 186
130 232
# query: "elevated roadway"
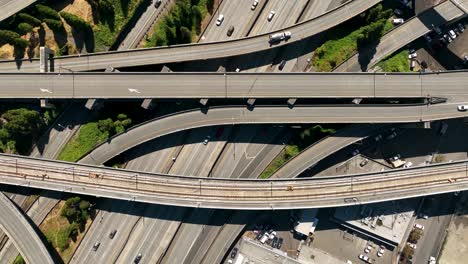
242 194
23 235
200 51
232 85
402 35
267 115
11 7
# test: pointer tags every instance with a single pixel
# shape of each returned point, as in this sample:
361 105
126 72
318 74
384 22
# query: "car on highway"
230 31
432 260
137 259
452 34
419 226
96 246
157 3
281 65
234 252
207 139
220 20
112 234
271 15
398 21
355 152
254 5
408 164
462 107
277 37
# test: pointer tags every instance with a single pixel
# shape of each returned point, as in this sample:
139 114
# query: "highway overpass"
402 35
22 233
11 7
200 51
233 115
245 194
232 85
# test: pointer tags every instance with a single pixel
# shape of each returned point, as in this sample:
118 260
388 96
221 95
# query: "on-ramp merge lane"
202 51
233 85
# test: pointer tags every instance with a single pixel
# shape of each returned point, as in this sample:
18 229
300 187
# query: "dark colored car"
137 259
157 3
112 234
281 65
234 252
280 243
259 235
230 31
274 243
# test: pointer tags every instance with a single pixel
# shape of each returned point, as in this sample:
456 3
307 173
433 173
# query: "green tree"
7 36
29 19
75 21
47 12
105 125
186 35
24 28
55 25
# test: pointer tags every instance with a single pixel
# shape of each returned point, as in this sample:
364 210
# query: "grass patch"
82 142
299 142
397 62
181 25
61 234
110 25
336 50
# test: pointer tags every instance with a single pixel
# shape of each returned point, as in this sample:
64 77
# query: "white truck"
278 37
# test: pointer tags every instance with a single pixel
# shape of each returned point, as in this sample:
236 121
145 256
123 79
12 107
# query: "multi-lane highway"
233 85
404 34
243 194
11 7
201 51
268 115
24 236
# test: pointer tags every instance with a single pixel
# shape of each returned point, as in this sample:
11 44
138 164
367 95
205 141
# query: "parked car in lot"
461 27
234 252
367 249
381 251
452 34
411 245
398 21
280 243
419 226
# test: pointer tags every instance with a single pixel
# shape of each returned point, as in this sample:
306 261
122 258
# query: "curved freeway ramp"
232 115
201 51
23 235
324 148
402 35
245 194
11 7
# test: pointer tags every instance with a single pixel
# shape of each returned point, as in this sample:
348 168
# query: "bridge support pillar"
92 104
45 103
204 101
148 103
44 56
291 102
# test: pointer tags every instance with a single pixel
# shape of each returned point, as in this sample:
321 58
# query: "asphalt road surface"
11 7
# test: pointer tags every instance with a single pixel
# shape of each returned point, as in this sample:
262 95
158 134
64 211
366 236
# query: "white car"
408 164
368 249
462 107
412 55
271 15
363 257
452 34
220 20
411 245
398 21
419 226
254 5
381 251
432 260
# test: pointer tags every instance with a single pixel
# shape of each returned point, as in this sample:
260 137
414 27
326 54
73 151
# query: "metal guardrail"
232 193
